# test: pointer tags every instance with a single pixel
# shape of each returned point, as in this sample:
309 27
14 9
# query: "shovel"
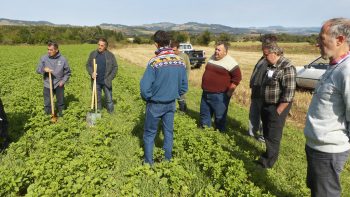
53 115
93 116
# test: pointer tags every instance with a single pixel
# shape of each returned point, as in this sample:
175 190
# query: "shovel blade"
91 118
53 118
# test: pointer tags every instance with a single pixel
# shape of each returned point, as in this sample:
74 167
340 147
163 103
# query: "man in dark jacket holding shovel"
106 71
57 65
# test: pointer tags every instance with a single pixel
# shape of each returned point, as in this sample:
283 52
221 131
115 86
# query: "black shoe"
183 106
260 138
259 164
4 145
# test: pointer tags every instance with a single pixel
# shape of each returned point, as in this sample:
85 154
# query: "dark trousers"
3 128
59 92
273 124
323 172
255 126
108 96
182 103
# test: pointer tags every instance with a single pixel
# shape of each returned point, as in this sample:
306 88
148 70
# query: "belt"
161 102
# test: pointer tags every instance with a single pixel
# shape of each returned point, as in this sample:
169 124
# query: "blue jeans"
108 96
323 172
214 104
154 113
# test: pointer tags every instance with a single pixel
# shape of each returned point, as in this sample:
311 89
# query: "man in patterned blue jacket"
163 82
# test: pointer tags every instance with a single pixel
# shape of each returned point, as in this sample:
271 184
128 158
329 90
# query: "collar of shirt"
164 51
100 53
277 64
339 59
58 54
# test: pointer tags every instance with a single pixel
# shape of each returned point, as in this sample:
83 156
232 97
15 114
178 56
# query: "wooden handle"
93 97
51 95
95 65
95 88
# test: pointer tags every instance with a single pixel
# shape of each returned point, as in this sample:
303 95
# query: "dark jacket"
111 66
61 71
3 124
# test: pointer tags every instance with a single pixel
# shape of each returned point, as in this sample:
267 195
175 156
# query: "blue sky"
234 13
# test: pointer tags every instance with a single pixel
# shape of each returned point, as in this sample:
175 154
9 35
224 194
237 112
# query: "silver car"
308 75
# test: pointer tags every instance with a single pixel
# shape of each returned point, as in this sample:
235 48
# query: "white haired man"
328 118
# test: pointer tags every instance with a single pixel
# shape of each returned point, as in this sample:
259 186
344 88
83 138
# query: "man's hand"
230 92
47 69
281 107
231 89
94 75
61 84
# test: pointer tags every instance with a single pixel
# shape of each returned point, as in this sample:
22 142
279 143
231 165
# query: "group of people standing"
327 126
273 84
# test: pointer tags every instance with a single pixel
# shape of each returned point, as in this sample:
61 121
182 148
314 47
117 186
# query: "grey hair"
268 38
339 26
52 43
223 43
273 48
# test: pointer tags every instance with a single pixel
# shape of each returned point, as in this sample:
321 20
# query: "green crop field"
71 159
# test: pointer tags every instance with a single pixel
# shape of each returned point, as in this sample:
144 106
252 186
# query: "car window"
319 63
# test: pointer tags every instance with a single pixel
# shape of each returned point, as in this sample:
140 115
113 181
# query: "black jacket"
111 66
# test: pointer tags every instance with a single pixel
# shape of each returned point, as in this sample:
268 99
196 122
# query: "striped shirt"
279 82
219 75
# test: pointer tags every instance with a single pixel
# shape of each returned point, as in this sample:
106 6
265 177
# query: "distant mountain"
191 27
4 21
128 30
289 30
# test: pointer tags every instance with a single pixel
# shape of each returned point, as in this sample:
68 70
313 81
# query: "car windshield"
185 47
319 63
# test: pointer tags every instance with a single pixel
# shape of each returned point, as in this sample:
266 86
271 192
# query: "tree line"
64 35
76 35
207 37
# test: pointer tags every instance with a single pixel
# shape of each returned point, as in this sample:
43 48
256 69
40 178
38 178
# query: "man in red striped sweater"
221 77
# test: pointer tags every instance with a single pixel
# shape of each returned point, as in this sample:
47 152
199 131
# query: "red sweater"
219 75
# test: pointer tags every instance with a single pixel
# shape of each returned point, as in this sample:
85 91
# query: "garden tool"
53 115
93 115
